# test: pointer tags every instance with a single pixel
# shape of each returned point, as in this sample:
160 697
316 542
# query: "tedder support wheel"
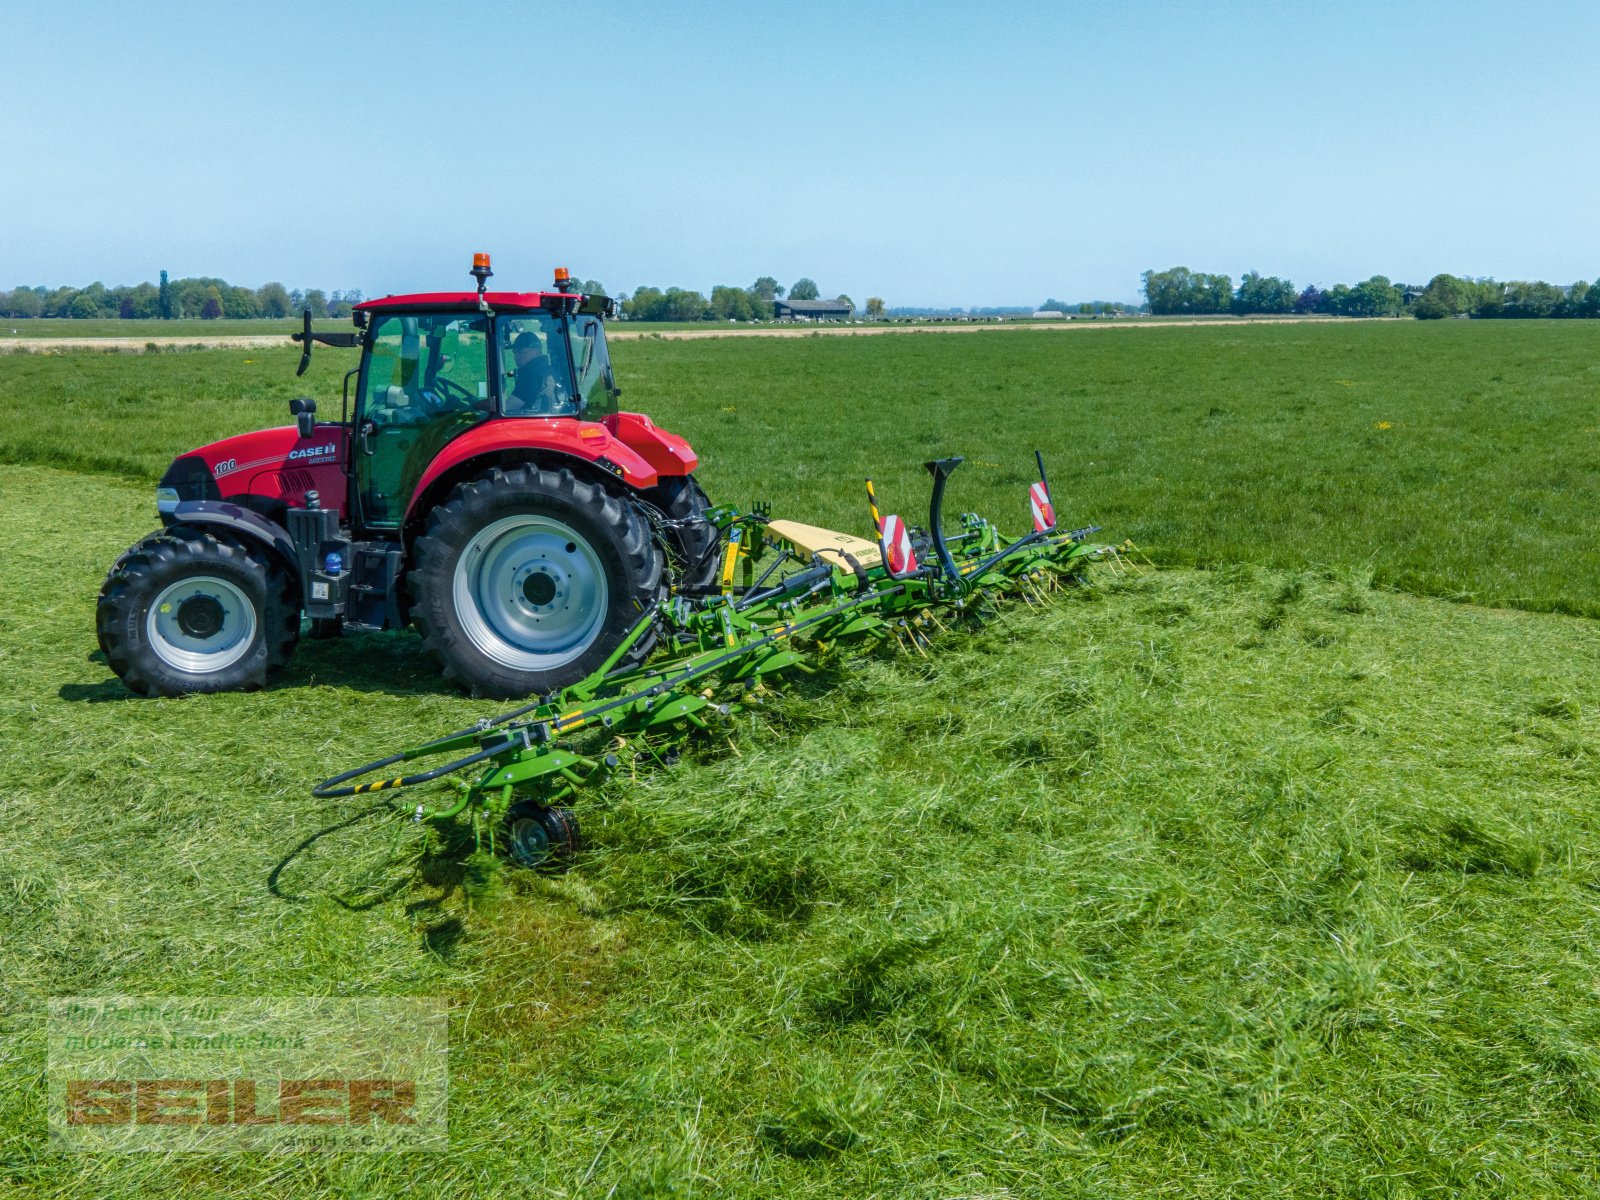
527 579
541 838
187 610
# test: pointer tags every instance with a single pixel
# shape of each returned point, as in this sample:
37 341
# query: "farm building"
811 310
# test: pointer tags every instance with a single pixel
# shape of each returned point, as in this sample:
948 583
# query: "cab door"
425 381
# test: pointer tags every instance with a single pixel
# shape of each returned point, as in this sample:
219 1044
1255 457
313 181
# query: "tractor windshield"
596 385
535 370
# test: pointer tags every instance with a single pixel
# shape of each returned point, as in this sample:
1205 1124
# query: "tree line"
1180 290
753 303
200 298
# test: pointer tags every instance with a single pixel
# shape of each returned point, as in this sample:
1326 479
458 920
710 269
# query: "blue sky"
928 153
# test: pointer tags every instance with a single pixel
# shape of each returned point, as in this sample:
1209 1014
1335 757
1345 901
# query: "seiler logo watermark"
247 1074
238 1101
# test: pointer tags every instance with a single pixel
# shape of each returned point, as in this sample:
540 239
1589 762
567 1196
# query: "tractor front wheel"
528 579
187 610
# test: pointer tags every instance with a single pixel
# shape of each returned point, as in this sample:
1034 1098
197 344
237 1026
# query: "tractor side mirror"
304 411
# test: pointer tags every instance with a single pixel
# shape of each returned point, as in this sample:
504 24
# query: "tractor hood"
267 470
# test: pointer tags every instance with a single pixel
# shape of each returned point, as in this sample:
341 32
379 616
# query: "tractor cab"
435 366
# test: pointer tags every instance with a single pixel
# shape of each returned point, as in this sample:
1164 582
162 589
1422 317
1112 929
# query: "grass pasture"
1268 878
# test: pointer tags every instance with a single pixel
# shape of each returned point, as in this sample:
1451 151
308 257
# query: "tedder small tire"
527 579
187 610
541 838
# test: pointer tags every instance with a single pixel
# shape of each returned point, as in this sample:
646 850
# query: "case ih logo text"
313 452
241 1102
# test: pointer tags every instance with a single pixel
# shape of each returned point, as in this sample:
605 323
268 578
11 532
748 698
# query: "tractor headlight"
166 500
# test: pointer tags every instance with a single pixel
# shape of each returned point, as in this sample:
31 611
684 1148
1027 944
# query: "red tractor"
483 486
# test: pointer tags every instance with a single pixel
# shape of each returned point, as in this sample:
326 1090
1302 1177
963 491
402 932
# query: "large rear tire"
528 579
187 610
694 539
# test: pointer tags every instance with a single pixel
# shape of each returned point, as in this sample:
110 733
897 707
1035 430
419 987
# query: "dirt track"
138 345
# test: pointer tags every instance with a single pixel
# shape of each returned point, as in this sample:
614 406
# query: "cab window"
596 384
535 371
427 380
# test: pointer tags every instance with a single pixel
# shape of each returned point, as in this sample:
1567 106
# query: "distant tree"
1336 300
646 304
165 292
145 300
316 301
1576 301
211 306
24 302
239 303
734 304
1445 296
1052 305
1309 301
98 295
1535 299
1264 295
82 307
1589 307
766 289
683 305
804 289
841 298
875 307
272 300
1376 297
1488 298
1180 290
589 287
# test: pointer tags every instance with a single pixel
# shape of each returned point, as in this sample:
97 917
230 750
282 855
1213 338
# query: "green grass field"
1263 879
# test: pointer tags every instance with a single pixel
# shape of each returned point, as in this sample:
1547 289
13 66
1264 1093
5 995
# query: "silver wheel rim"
201 625
530 592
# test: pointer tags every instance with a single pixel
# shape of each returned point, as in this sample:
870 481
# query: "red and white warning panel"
1044 513
895 542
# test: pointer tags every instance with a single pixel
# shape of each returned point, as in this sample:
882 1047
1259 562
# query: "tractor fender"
668 453
587 441
242 522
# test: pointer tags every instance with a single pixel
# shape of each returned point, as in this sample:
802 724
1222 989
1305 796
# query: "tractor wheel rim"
530 592
201 625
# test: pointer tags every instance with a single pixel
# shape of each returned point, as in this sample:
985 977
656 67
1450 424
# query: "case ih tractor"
481 485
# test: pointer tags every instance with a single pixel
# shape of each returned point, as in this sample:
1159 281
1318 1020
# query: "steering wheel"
456 397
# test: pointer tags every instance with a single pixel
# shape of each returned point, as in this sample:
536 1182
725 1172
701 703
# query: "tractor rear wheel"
527 580
187 610
695 539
